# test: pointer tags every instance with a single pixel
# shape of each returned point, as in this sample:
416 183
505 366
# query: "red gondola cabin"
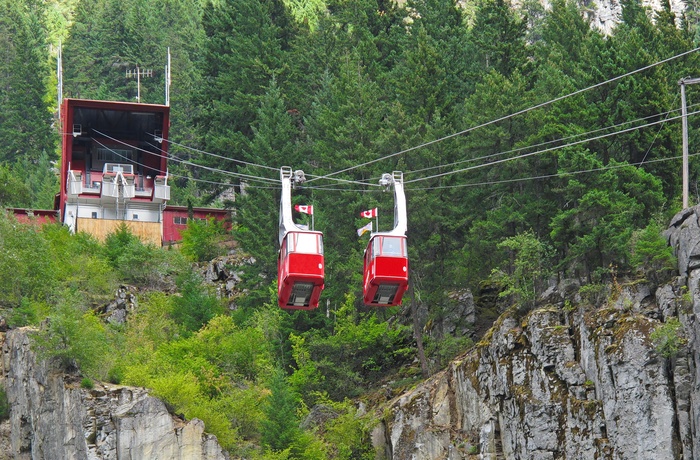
300 270
385 270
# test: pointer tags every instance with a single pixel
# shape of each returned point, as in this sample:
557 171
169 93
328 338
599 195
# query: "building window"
135 216
114 155
94 214
179 220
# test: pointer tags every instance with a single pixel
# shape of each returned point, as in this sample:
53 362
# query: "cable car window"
307 243
392 246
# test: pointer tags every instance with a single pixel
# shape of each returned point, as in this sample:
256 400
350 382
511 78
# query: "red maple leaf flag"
304 208
369 213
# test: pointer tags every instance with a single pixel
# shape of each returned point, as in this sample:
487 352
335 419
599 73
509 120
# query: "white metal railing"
143 192
162 189
75 183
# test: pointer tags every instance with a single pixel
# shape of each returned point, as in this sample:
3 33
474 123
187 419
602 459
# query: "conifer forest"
533 147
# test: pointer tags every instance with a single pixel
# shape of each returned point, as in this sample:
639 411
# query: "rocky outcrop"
605 15
52 417
225 274
571 380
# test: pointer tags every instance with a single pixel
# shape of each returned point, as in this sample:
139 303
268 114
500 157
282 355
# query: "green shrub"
652 255
87 383
141 264
196 305
529 267
445 350
4 405
201 239
76 338
359 351
668 338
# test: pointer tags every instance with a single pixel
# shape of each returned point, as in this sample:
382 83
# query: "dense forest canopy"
532 146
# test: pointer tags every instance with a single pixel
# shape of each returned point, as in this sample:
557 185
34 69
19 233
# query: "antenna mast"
138 73
59 74
167 80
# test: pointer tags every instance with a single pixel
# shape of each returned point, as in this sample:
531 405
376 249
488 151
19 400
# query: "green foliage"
25 121
444 350
593 293
41 263
87 383
77 339
13 192
280 428
360 349
529 267
4 405
499 36
668 338
196 305
215 374
138 263
651 254
23 275
201 238
348 434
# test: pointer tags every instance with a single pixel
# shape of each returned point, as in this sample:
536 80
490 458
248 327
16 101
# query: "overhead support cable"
550 149
189 163
506 117
549 176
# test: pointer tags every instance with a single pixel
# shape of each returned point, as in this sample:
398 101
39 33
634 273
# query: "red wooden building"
114 170
34 216
175 220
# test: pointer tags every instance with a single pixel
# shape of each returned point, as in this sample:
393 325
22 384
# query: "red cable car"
300 270
300 265
385 270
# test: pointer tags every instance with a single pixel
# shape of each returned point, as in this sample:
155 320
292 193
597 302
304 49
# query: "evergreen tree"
25 120
243 51
499 36
280 428
273 145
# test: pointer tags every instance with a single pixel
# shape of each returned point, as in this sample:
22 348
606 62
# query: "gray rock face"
605 15
53 418
567 382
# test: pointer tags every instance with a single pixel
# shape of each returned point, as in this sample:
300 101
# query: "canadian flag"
369 213
304 208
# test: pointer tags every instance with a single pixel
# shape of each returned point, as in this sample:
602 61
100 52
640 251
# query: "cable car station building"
114 171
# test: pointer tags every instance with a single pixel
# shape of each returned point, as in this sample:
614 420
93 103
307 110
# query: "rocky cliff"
52 417
579 378
606 14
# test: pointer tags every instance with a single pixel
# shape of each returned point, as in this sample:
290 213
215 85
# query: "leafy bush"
27 265
77 338
668 338
196 305
4 405
651 254
348 435
201 238
214 374
529 266
445 350
360 351
138 263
